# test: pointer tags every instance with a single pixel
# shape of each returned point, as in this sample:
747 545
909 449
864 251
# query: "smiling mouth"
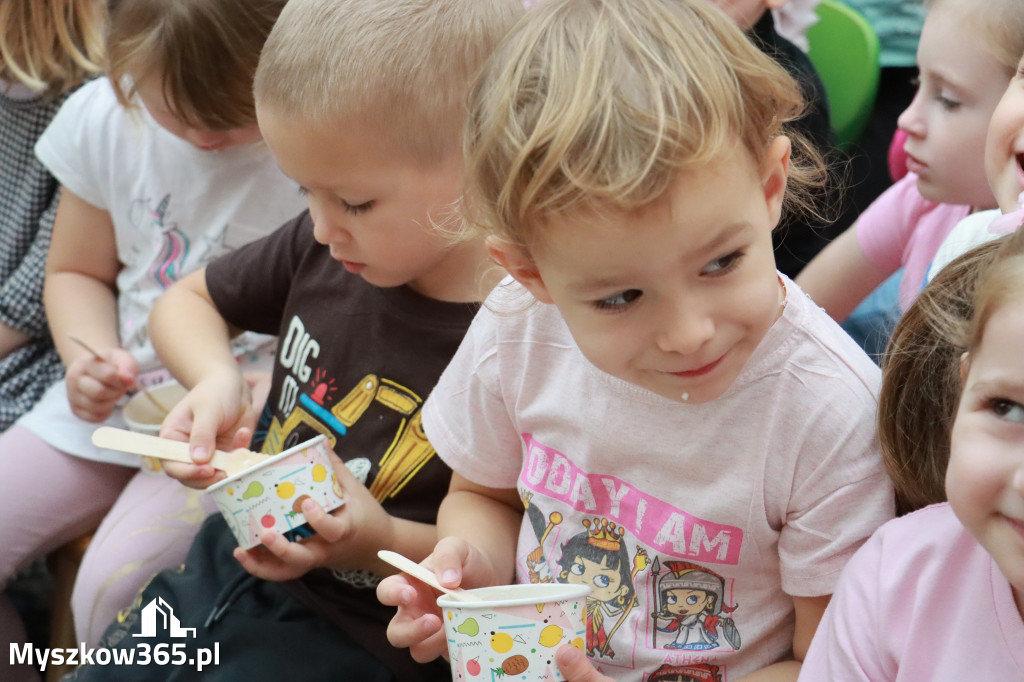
700 371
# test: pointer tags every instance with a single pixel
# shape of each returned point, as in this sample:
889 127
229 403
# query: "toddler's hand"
347 538
216 414
575 667
95 384
417 625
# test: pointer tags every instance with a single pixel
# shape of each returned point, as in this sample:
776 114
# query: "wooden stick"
149 396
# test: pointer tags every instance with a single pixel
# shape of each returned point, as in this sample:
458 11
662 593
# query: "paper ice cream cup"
511 632
143 416
269 496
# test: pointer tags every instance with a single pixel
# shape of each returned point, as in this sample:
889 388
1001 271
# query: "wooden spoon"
231 463
409 566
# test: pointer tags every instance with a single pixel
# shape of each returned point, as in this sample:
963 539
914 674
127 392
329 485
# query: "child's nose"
328 227
685 330
911 121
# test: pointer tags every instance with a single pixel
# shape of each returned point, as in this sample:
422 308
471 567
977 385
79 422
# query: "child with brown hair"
657 397
939 594
162 170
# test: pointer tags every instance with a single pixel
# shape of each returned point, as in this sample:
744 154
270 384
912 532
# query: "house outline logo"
159 611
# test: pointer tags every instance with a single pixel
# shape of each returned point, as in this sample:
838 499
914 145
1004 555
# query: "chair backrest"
844 50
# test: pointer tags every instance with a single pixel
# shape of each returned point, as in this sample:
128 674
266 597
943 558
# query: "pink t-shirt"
920 601
695 524
903 229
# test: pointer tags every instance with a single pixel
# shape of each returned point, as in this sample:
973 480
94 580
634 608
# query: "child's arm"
194 343
841 276
80 296
480 527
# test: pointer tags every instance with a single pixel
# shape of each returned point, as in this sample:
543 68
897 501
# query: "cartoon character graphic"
537 567
599 559
166 268
690 606
696 672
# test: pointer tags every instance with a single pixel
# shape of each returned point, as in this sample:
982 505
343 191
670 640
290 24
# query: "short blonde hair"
597 104
204 51
403 66
52 46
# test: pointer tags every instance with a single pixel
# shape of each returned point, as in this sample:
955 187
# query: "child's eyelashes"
947 103
619 301
1005 409
723 265
354 209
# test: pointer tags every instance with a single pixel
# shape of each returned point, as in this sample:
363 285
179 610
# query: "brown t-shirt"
354 362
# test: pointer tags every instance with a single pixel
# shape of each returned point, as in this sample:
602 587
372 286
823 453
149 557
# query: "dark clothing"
799 238
354 362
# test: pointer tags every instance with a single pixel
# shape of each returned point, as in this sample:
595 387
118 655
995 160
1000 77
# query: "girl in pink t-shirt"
939 594
966 57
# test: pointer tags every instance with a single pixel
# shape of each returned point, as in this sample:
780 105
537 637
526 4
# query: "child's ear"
519 265
774 174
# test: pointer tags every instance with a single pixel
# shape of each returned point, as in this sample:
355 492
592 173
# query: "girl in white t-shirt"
938 594
162 169
688 434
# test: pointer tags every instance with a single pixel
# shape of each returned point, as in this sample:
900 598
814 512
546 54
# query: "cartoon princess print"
691 608
599 559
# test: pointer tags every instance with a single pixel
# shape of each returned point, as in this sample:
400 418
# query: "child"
966 57
668 403
149 193
1005 176
939 594
49 49
363 107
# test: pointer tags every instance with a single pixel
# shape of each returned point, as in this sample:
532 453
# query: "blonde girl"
49 49
939 594
162 169
966 57
648 366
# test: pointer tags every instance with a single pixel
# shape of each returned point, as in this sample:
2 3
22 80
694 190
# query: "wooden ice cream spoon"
231 463
409 566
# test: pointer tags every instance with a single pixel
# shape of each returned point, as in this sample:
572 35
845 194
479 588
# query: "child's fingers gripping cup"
511 632
145 412
270 495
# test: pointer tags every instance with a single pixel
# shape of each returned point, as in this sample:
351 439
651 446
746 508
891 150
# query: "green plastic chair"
844 49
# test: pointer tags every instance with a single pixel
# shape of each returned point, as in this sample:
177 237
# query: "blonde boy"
362 104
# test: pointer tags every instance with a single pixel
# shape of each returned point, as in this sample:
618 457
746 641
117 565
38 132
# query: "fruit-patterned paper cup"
511 632
269 496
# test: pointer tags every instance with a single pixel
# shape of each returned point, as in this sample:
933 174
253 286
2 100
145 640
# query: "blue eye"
618 301
691 600
602 581
577 569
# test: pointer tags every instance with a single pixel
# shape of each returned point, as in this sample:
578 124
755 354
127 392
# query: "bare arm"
488 519
80 292
11 339
809 611
841 276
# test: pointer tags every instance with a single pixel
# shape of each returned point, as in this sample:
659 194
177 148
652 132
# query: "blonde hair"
597 104
1001 23
51 45
205 53
403 66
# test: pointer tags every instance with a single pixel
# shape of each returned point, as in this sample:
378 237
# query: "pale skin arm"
11 340
840 276
80 296
576 668
193 341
